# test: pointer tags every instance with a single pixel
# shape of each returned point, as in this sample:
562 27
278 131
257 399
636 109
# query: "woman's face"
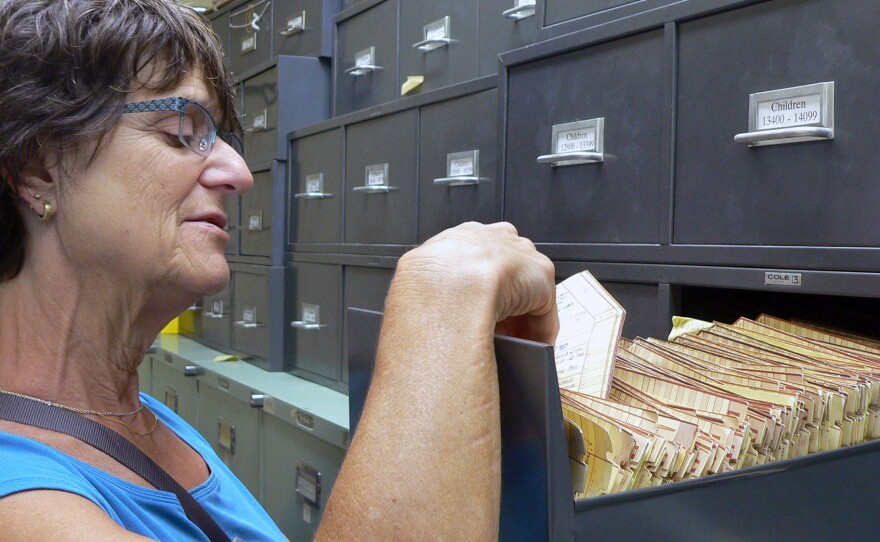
148 211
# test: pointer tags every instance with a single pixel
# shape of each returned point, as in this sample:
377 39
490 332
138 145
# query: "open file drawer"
817 497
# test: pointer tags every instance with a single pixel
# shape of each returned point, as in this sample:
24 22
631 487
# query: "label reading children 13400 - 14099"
788 112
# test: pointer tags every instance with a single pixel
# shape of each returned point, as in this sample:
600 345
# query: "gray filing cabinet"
438 41
260 306
365 62
366 289
262 229
304 27
315 188
380 180
280 96
250 34
608 100
458 163
210 320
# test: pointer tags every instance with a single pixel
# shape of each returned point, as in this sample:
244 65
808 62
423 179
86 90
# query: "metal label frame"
824 90
368 52
314 178
374 168
472 155
310 477
315 311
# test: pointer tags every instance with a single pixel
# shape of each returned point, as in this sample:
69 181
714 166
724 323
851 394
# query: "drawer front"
504 25
425 27
287 448
249 44
220 25
449 133
378 217
215 319
260 121
316 328
364 288
316 189
817 193
251 318
374 29
233 429
616 200
176 391
262 215
303 27
558 11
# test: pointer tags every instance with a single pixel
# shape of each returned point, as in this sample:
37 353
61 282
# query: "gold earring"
48 212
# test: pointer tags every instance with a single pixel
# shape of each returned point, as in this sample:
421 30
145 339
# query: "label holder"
462 169
786 123
375 180
364 62
591 154
314 188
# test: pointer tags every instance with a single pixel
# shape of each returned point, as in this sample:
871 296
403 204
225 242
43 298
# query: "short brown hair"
67 66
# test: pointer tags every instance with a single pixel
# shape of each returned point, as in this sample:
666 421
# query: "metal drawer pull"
193 370
258 400
812 132
215 315
248 325
429 45
561 158
459 181
520 12
306 326
313 195
295 25
375 189
363 69
194 307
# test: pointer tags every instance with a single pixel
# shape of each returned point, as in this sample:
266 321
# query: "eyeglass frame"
179 104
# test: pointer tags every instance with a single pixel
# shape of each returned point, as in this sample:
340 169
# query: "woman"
119 145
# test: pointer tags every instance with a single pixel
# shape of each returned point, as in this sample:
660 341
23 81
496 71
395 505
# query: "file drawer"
815 193
458 167
366 58
380 180
250 35
262 227
228 421
438 41
316 325
504 25
304 27
209 321
365 288
315 188
559 11
174 383
292 93
259 308
292 449
584 143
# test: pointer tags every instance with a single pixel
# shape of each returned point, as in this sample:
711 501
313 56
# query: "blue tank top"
26 464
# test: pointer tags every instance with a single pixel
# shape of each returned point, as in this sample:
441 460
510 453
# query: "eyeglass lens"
197 131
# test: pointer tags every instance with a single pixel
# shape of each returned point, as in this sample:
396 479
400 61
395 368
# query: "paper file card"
590 323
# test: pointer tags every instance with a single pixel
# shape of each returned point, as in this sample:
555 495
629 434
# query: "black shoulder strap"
30 412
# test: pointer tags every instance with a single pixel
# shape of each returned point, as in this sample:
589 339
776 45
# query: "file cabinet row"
691 134
284 454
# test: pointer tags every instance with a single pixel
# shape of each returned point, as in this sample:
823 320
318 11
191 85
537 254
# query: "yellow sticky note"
172 327
412 83
227 358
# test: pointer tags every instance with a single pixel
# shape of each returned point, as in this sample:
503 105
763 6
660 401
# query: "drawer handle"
520 12
818 132
363 69
258 400
562 158
307 326
194 307
248 325
295 25
313 195
256 129
429 45
459 181
193 370
375 189
215 315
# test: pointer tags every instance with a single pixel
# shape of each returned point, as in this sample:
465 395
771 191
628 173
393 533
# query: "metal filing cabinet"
438 41
365 62
303 455
262 230
210 320
316 325
458 166
816 193
175 384
364 288
304 27
250 35
227 419
286 94
380 180
260 304
315 188
504 25
584 143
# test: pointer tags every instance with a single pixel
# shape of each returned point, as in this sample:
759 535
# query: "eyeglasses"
197 130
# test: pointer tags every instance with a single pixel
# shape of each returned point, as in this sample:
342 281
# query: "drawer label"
315 183
782 278
249 44
576 140
297 23
366 57
524 3
310 313
787 112
305 420
249 315
260 121
217 308
437 30
377 175
462 164
255 221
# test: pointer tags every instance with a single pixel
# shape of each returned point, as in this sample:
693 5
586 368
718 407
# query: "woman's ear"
37 189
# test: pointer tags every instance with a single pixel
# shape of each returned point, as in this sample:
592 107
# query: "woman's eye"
172 139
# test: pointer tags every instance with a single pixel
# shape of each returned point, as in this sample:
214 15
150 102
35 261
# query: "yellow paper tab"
682 325
227 358
412 83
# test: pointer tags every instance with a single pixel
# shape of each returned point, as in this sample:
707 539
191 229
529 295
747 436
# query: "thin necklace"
109 416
